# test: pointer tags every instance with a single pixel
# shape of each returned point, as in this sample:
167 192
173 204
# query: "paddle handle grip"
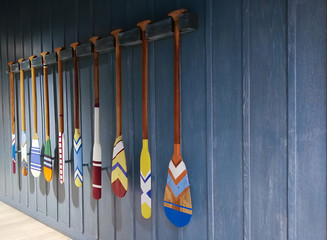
118 84
22 97
12 98
46 102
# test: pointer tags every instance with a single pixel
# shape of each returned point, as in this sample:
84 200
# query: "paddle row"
177 198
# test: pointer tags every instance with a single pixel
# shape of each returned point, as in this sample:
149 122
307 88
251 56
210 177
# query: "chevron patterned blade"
78 162
177 199
119 180
145 180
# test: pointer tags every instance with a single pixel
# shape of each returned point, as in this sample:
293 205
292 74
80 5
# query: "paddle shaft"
76 82
22 99
118 85
12 100
34 99
46 101
145 85
61 106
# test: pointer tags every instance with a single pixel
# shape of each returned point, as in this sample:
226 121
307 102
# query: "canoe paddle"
97 160
78 162
22 109
47 163
12 103
145 161
119 180
177 198
61 141
35 153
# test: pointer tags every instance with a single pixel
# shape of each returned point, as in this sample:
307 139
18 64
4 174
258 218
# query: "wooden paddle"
35 153
119 180
12 103
97 160
61 122
177 198
47 163
78 162
145 161
22 108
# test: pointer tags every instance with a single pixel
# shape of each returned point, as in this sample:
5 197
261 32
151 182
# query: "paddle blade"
119 181
24 155
177 199
61 157
35 157
47 163
145 178
97 170
13 158
78 173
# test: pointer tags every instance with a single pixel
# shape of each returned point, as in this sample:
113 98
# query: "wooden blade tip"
93 39
20 60
143 24
74 45
116 32
176 13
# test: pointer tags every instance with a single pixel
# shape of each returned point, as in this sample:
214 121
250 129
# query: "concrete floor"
15 225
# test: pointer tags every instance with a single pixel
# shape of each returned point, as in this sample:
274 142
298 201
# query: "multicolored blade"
47 163
35 157
61 157
13 144
177 199
145 178
24 155
119 180
78 173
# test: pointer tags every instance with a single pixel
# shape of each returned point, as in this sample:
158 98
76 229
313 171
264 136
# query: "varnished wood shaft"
61 106
76 83
12 101
46 102
34 99
145 85
22 99
118 90
96 79
177 136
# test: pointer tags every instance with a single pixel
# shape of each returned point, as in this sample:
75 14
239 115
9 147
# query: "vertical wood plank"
268 120
310 181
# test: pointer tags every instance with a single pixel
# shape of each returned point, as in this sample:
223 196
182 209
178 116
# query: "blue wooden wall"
253 117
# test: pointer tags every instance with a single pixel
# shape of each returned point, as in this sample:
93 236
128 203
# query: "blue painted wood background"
253 82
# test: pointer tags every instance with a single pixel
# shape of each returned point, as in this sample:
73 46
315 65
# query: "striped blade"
35 157
78 173
61 157
145 178
119 181
13 158
24 155
97 156
177 199
47 163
